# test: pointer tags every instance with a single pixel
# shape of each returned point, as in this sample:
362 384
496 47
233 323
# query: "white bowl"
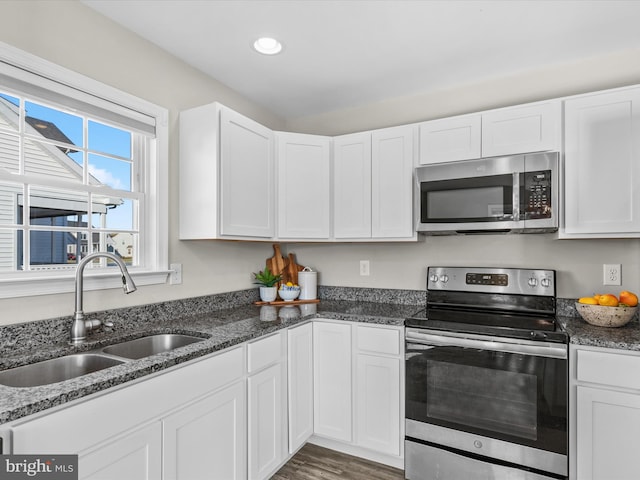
602 316
289 294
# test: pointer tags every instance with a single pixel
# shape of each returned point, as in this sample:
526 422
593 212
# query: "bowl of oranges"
607 310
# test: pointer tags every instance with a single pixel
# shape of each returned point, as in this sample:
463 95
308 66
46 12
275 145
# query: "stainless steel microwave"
512 194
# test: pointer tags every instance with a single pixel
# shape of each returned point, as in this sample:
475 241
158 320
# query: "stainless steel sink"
56 370
146 346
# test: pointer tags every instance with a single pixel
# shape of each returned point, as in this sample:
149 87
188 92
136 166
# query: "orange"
588 300
608 300
628 298
597 296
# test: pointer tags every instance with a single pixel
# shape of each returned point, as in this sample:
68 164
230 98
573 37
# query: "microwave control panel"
537 194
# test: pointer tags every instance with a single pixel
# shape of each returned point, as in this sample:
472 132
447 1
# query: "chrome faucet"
80 326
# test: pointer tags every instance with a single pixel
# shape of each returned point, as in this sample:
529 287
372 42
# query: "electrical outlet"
364 268
612 274
175 278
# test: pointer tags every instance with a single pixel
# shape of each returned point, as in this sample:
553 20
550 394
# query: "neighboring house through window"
83 168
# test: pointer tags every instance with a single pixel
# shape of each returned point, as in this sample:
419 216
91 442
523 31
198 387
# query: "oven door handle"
539 349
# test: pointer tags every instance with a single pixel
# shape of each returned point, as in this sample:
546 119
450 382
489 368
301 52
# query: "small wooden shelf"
285 302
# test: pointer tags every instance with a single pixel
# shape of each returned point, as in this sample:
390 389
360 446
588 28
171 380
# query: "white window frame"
154 252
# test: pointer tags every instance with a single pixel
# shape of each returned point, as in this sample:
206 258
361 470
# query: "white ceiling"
341 54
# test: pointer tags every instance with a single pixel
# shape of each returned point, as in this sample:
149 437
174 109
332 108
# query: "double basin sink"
78 364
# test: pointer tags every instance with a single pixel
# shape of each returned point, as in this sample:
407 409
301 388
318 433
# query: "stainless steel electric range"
486 378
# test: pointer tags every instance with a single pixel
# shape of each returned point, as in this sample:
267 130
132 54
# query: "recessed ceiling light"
267 46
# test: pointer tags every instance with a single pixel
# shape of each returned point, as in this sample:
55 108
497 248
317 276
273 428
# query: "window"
82 169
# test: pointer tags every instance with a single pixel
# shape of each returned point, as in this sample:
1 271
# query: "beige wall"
578 262
72 35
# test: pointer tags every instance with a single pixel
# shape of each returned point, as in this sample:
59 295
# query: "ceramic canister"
308 281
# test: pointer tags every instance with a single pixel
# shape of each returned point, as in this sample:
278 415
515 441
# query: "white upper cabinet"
226 175
450 139
535 127
372 181
602 164
303 186
392 162
246 177
352 186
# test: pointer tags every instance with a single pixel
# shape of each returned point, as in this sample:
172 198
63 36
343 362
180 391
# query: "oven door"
501 398
468 196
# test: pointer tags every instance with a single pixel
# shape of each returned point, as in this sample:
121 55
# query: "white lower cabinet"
206 439
332 380
266 393
190 419
300 385
134 456
377 404
265 422
606 417
358 389
239 414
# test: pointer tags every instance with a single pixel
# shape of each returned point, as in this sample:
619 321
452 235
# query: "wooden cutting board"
277 262
292 269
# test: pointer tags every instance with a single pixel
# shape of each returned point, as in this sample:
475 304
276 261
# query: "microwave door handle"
516 196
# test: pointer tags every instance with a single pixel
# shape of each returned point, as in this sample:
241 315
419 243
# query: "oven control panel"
498 280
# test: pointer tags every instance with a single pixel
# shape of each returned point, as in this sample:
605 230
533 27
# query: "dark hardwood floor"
317 463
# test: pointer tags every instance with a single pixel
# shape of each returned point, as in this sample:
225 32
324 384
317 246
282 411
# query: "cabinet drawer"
378 340
264 352
618 370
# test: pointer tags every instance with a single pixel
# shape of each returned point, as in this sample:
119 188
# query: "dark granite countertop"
222 329
580 332
224 320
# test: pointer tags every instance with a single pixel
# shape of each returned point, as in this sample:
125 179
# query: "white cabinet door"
300 385
450 139
208 438
392 162
266 429
525 128
352 186
303 185
135 456
227 181
332 380
377 405
602 163
608 434
246 177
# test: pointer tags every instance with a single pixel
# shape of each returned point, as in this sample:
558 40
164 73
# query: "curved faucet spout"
80 326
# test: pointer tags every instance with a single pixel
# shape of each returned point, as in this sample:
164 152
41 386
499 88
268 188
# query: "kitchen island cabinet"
606 420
